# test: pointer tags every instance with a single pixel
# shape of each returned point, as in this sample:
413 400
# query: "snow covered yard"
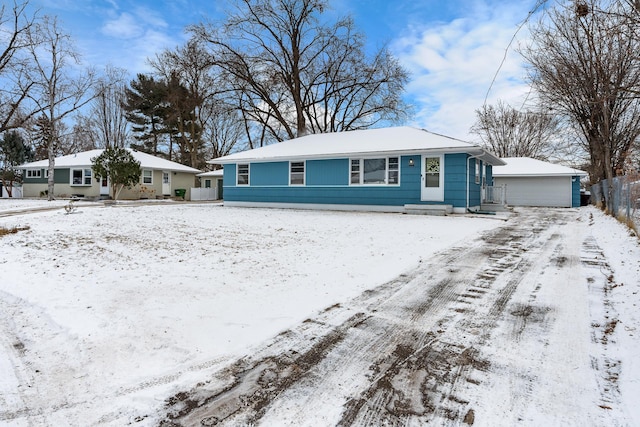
104 313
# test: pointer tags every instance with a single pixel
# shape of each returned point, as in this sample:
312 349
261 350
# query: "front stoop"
494 207
439 210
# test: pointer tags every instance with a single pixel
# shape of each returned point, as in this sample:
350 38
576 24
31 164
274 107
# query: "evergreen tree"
119 166
13 152
146 108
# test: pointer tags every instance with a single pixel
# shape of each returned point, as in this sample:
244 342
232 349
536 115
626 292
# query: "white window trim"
34 173
386 171
82 170
143 177
248 174
477 170
304 173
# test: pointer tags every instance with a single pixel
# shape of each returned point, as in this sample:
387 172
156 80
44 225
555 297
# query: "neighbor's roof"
385 141
215 173
528 167
147 161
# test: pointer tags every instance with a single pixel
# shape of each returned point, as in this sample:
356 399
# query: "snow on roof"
526 166
383 141
215 173
83 159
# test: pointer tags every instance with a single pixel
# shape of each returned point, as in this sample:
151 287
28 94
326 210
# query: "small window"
81 177
34 173
243 174
147 176
393 174
355 171
477 171
207 183
296 176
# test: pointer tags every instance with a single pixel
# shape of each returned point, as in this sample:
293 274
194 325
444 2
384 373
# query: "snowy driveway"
513 328
201 315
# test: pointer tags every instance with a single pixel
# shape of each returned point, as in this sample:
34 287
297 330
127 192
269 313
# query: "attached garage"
531 182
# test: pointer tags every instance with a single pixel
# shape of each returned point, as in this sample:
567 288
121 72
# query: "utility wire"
537 6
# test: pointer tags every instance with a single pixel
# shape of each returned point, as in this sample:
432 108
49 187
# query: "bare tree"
108 116
216 126
291 75
15 27
508 132
56 92
584 62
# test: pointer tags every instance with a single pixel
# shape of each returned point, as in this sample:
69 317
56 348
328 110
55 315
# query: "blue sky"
452 48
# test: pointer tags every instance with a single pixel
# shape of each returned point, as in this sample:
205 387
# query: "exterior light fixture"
411 162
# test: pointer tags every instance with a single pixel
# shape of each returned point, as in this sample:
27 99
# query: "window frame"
247 173
356 170
34 173
303 173
144 178
477 171
85 179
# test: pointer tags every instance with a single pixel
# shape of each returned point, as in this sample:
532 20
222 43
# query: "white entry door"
166 183
104 186
432 178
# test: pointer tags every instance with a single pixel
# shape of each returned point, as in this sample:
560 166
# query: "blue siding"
327 182
575 191
268 174
229 175
327 172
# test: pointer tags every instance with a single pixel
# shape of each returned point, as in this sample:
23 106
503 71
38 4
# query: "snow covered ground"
107 312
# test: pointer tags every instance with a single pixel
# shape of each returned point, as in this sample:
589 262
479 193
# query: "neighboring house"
210 186
397 169
531 182
73 177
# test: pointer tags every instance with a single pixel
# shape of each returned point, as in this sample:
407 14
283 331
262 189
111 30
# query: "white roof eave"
474 151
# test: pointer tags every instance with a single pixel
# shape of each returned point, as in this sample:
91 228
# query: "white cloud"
453 65
125 26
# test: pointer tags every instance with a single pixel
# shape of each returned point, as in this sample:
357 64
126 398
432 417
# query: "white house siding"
537 191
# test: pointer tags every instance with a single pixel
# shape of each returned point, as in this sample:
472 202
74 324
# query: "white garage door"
539 191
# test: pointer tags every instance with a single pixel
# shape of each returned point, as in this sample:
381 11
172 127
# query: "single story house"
532 182
73 177
396 169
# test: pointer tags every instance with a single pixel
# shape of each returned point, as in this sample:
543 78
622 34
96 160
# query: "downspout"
469 158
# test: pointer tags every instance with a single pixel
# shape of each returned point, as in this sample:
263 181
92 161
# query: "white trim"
34 173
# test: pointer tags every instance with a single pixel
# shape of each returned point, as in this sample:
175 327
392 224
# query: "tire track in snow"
413 355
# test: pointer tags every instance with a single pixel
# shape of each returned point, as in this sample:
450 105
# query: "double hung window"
243 174
81 177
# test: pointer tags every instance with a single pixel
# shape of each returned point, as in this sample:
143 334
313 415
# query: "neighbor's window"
147 176
207 183
80 176
375 171
296 176
243 174
34 173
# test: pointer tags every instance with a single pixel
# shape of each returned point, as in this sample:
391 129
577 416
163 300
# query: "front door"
432 178
104 186
166 183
